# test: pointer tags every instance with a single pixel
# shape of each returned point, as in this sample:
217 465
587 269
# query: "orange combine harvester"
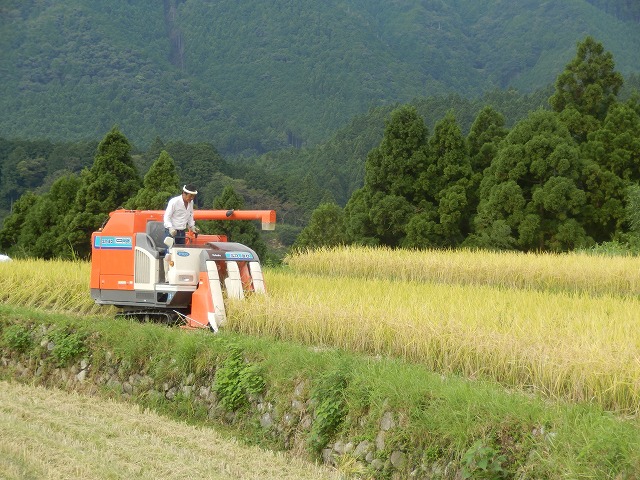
136 269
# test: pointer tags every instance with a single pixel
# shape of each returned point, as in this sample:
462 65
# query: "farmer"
178 216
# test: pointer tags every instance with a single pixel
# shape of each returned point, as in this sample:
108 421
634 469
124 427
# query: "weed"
331 408
482 461
67 346
236 380
17 338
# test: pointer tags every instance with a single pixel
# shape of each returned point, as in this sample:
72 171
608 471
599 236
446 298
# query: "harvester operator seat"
155 230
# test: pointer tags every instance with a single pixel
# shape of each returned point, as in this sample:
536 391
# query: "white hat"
189 189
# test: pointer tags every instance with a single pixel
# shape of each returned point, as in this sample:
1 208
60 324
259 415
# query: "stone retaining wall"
286 420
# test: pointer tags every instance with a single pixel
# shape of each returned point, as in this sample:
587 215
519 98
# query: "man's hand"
172 232
195 230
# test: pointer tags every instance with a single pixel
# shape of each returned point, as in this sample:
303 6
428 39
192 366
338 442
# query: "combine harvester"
136 269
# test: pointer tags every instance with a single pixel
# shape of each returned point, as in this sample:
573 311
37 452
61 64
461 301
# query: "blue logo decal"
114 243
183 254
238 256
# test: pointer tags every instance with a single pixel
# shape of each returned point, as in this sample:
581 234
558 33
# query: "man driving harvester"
178 216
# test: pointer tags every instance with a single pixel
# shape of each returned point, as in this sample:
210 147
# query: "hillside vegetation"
256 76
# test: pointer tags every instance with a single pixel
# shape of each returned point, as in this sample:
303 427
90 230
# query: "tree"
443 187
487 131
325 229
110 182
235 230
393 166
358 226
383 207
160 183
530 196
196 163
587 88
612 164
12 225
10 185
43 233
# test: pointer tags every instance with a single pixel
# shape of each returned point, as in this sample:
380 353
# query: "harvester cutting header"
136 269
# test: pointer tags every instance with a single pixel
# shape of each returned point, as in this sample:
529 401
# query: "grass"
560 325
47 433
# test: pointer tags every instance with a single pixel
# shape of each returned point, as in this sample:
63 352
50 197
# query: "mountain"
252 77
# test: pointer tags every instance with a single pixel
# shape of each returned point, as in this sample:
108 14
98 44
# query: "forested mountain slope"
252 76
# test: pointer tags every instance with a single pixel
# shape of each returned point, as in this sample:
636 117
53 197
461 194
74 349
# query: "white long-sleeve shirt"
177 215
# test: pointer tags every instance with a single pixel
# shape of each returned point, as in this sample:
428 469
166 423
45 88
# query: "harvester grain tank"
136 269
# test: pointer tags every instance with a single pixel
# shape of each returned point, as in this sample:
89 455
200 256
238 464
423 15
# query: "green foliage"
110 182
12 226
43 233
589 86
325 229
444 188
242 232
530 196
236 380
482 461
389 191
440 415
161 182
633 208
331 406
249 81
17 338
68 345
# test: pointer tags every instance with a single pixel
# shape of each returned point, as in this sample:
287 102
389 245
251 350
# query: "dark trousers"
179 238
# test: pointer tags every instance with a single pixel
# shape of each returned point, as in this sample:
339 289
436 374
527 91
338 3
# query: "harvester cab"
144 274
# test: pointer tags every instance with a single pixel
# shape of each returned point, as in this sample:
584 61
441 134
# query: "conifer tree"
487 131
530 196
160 184
43 233
106 186
443 190
13 224
586 89
380 211
358 226
325 229
612 164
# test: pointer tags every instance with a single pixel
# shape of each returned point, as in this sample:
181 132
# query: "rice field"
47 433
571 272
560 325
57 285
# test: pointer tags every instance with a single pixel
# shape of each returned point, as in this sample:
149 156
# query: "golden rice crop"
574 346
497 316
572 272
57 285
